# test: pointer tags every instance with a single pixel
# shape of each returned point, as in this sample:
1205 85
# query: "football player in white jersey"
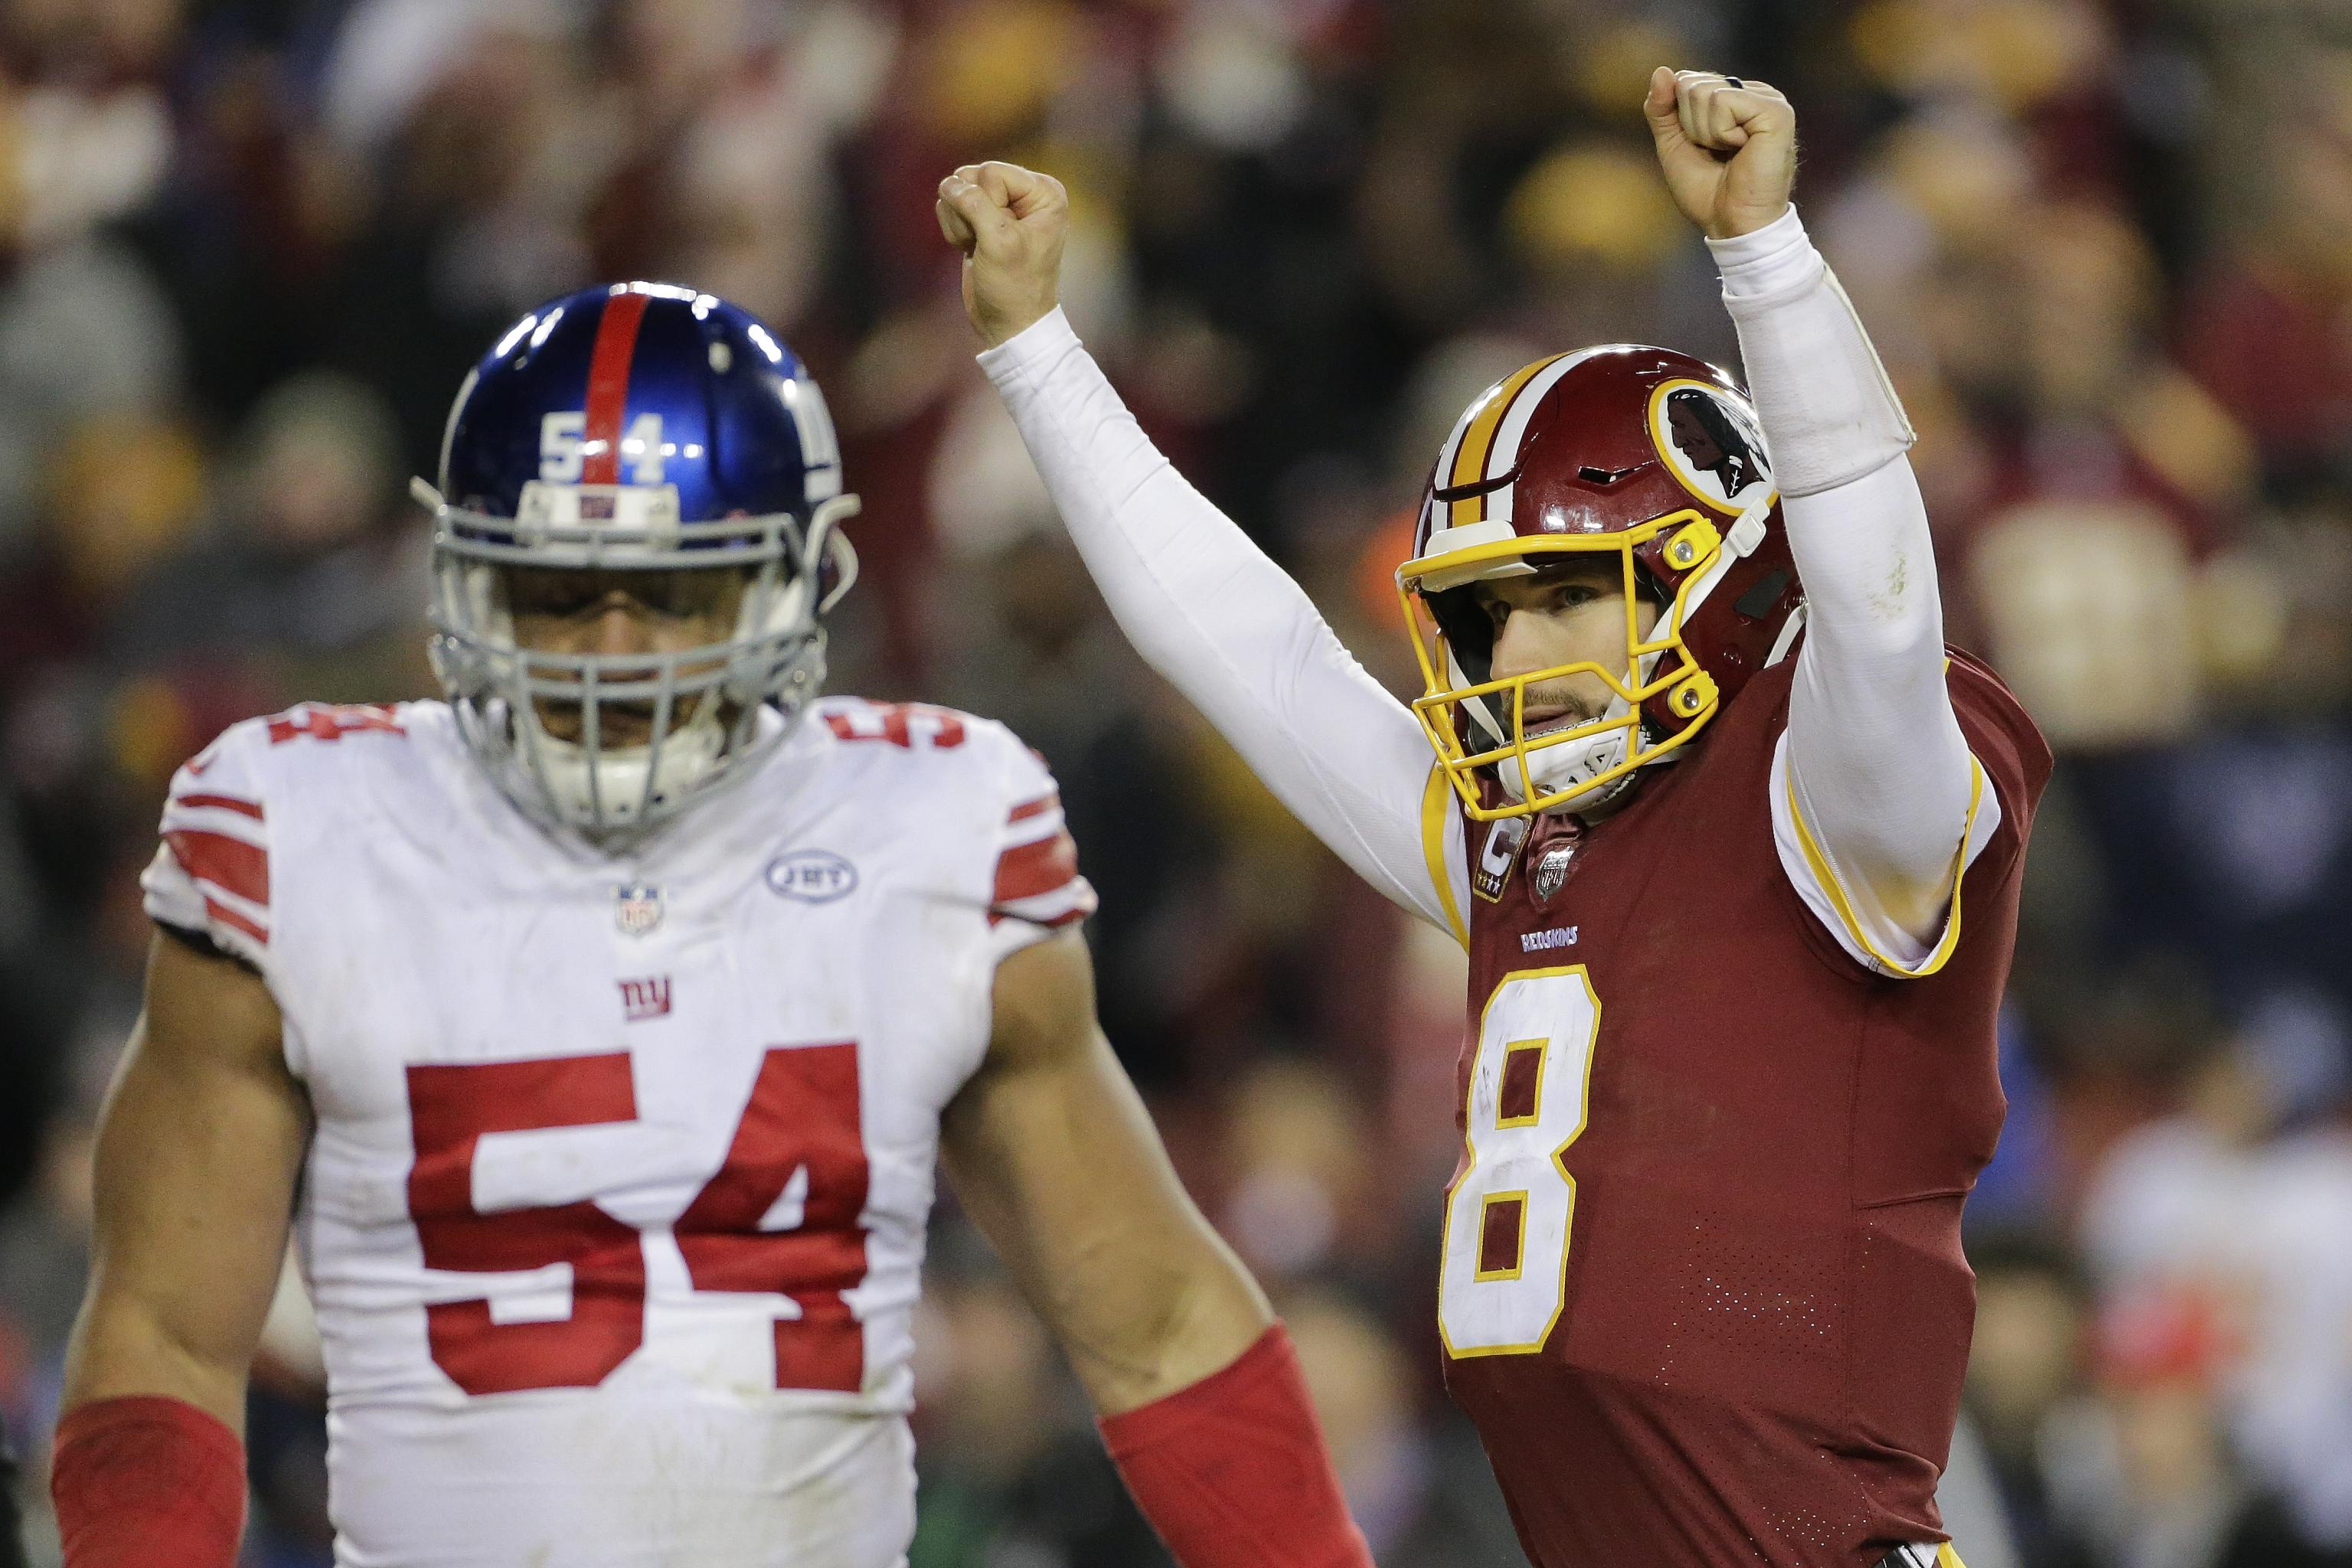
598 1029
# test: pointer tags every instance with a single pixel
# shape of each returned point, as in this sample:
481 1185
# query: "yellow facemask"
1578 765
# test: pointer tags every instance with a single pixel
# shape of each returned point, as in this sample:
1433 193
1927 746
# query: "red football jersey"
1704 1293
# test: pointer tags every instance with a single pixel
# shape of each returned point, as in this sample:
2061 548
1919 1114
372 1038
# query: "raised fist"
1729 148
1009 222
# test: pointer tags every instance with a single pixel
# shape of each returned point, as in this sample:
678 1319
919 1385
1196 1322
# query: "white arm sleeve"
1229 629
1877 804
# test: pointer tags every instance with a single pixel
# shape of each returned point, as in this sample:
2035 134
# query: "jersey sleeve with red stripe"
1038 889
210 876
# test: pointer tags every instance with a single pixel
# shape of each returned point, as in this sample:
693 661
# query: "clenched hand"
1009 222
1729 148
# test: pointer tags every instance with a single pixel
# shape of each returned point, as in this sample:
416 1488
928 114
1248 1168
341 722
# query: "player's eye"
677 594
559 595
674 596
711 592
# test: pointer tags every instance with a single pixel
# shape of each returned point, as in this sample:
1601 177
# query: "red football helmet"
1643 452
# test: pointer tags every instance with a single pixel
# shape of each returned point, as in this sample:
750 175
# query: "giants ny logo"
644 999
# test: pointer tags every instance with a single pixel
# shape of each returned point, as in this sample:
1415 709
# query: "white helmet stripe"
1445 454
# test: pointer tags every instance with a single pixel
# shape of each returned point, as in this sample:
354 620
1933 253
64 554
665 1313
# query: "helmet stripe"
608 386
1470 454
1503 454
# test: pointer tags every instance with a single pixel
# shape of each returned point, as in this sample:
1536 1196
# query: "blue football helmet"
648 437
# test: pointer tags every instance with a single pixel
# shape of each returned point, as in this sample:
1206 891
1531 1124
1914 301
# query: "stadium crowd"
248 248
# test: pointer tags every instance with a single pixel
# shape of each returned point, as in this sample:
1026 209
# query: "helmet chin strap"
1561 766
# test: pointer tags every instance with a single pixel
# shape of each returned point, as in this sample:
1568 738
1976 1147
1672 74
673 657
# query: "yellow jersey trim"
1480 1274
1827 878
1436 796
1534 1115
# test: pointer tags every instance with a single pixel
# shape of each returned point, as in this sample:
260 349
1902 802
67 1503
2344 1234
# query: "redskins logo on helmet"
1641 454
1710 442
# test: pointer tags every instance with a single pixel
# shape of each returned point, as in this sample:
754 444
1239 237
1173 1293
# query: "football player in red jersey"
1709 833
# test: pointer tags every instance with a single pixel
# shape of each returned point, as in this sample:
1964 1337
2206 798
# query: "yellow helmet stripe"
1476 444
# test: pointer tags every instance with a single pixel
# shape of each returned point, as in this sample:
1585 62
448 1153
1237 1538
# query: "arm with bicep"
1054 1156
197 1153
1882 792
1198 600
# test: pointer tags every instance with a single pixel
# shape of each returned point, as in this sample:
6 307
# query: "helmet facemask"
1659 697
609 744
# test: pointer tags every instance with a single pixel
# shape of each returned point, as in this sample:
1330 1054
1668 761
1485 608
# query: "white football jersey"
615 1212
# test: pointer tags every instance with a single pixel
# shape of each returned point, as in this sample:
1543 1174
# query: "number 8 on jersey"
1509 1214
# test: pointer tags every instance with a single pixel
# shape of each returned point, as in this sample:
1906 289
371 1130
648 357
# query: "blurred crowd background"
248 247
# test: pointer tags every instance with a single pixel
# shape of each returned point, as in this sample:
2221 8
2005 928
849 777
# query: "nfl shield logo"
636 907
1552 871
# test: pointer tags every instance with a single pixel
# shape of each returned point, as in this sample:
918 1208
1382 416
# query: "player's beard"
621 726
1568 765
1562 705
617 784
626 724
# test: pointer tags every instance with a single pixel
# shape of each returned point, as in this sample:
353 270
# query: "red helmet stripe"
608 387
